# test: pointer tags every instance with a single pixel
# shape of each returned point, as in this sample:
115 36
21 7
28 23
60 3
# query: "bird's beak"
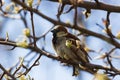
53 31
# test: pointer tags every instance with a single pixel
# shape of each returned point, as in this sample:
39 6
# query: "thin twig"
93 5
6 72
75 16
33 28
34 64
60 10
23 18
44 34
2 76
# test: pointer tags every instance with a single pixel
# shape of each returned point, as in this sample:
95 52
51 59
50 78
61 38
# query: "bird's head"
59 31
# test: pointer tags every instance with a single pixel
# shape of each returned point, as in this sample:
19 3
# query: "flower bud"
100 76
22 41
30 2
118 35
23 44
26 32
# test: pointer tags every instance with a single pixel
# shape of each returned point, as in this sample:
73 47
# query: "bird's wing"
72 36
76 45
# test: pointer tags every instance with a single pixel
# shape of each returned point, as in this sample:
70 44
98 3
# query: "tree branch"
49 55
93 5
91 33
6 72
33 28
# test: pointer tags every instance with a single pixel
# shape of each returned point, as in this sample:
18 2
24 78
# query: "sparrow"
68 46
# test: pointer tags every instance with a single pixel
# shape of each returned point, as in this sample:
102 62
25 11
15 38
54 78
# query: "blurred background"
51 69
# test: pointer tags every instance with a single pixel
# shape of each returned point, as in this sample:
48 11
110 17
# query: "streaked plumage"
67 46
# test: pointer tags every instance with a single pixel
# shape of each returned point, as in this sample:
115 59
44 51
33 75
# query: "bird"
68 47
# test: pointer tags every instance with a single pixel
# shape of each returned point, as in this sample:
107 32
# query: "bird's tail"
77 68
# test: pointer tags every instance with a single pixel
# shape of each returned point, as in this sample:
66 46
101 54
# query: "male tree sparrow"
68 47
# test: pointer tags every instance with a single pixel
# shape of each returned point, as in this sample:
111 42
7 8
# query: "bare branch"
94 5
33 30
6 72
49 55
107 39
